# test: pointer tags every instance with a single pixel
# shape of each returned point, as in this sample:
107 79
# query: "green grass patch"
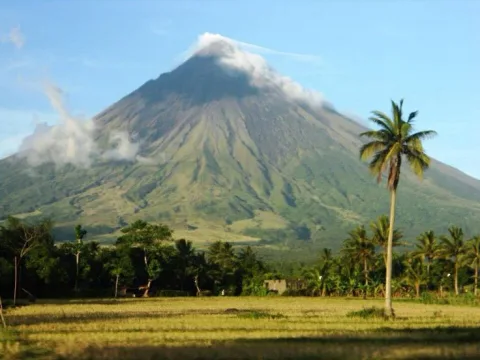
368 313
260 315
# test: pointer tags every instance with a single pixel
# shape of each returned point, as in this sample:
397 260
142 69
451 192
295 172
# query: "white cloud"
15 37
314 59
123 148
72 139
231 54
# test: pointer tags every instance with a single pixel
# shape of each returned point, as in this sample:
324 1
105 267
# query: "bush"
368 313
464 299
297 292
260 315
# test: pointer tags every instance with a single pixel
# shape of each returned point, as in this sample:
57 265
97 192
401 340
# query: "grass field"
239 328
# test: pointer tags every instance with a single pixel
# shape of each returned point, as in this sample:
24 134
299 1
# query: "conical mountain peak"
227 143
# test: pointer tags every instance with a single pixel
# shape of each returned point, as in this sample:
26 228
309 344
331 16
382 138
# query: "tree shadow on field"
77 317
386 343
12 346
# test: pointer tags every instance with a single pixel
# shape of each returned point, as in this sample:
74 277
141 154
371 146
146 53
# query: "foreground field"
239 328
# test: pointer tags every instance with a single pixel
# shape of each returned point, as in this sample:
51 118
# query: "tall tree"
23 238
426 249
120 265
453 248
80 233
147 237
472 258
359 247
326 262
394 141
414 273
185 257
381 230
222 257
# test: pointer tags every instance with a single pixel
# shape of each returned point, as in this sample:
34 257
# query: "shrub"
368 313
260 315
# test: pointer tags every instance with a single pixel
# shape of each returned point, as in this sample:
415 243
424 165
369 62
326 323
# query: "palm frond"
382 120
418 161
412 116
379 164
376 134
367 150
421 135
405 130
397 114
394 150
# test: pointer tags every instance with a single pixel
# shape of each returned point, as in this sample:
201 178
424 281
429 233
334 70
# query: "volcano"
230 149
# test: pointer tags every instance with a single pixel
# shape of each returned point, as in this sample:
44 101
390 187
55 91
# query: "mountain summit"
225 147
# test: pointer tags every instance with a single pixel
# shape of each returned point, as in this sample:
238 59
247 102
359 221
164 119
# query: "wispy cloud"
16 125
314 59
16 64
15 37
73 139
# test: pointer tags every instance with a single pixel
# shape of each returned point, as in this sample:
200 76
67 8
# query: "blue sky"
427 52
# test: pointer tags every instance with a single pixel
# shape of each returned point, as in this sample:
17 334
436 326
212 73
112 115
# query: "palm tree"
380 229
326 262
472 258
314 280
185 254
414 274
453 247
426 249
360 248
388 147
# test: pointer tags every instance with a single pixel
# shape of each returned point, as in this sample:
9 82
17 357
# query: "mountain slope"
227 153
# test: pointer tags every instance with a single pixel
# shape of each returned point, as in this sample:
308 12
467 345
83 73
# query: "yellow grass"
240 328
262 219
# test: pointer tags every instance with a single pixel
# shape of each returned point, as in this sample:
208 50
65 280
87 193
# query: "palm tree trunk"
456 277
116 286
196 285
15 262
365 272
417 289
428 274
77 263
388 272
475 277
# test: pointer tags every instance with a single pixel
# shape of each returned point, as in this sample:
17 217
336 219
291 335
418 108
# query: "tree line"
146 261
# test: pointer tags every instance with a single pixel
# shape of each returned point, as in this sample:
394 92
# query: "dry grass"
262 220
240 328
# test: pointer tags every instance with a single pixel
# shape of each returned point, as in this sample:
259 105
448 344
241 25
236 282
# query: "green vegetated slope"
226 160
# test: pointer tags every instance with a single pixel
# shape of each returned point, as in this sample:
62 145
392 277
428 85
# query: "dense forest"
147 261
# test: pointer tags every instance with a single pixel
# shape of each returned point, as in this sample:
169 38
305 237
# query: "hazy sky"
362 54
